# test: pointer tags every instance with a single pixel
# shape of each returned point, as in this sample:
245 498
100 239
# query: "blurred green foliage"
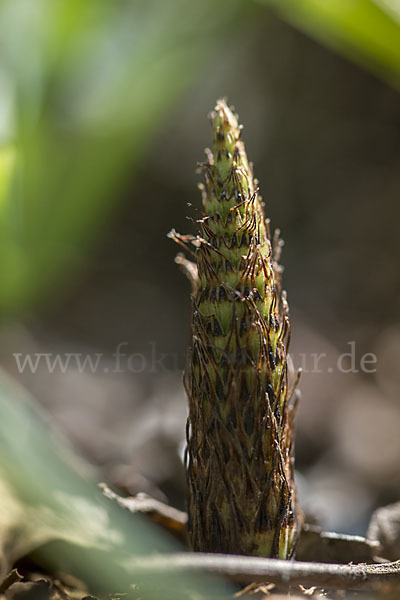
50 505
84 86
366 31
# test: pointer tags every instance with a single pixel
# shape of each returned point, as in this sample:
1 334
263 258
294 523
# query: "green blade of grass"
90 83
366 31
50 504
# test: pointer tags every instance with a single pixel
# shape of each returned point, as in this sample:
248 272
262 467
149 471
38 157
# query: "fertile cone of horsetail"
240 435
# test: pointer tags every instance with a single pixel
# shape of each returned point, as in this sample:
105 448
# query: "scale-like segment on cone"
240 427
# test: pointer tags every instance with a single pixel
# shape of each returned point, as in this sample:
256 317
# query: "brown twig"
248 569
170 518
9 580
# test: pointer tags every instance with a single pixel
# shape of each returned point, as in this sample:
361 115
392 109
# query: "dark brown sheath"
240 434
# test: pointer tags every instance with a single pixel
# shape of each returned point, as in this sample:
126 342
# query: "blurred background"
103 119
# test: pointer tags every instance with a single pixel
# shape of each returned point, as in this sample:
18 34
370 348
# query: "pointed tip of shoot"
225 124
226 136
223 115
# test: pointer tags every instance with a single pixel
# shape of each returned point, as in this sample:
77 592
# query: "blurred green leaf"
7 162
366 31
50 504
89 84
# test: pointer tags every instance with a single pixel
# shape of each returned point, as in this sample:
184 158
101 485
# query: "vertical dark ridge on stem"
240 435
